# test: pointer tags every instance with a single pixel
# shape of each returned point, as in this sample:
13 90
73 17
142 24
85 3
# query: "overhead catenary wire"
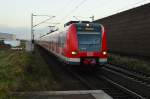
74 9
130 6
139 2
113 12
83 1
65 6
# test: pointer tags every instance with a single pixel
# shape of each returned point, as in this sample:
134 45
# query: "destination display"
89 27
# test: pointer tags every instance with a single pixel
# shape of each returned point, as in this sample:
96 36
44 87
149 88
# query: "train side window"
64 38
59 40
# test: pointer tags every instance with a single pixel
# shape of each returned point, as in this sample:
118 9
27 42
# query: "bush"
131 63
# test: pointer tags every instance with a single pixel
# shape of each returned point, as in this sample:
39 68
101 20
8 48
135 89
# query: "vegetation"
24 71
131 63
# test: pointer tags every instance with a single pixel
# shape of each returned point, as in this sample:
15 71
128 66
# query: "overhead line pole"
92 17
32 27
32 33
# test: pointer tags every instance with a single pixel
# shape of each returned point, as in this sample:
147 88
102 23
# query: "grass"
24 71
131 63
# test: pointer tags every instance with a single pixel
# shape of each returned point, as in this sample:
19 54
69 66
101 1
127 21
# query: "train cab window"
89 37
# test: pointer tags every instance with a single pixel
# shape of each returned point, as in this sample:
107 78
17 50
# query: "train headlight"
87 25
104 52
74 53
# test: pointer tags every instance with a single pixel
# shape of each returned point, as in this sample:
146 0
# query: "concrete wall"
129 32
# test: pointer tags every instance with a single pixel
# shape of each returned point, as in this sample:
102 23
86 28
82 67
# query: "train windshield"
89 37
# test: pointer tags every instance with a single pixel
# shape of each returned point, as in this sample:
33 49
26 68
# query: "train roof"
71 22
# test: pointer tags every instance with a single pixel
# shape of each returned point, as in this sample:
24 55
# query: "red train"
79 43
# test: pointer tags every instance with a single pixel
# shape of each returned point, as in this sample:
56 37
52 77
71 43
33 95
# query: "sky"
16 14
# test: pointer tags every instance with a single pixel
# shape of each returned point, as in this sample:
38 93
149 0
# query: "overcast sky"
16 14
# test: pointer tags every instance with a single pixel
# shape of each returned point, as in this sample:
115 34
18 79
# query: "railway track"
96 82
135 75
90 80
137 72
133 83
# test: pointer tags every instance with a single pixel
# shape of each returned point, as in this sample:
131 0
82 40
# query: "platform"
85 94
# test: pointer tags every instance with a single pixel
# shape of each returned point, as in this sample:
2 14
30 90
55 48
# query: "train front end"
86 44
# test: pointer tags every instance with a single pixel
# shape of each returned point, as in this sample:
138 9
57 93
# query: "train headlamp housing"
74 53
104 52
